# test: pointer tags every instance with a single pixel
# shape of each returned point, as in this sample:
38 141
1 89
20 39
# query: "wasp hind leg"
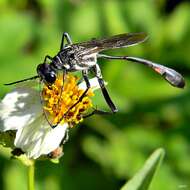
105 93
97 112
85 76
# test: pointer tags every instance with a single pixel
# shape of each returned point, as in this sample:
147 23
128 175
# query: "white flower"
21 110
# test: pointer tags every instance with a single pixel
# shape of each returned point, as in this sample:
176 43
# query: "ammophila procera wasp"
83 57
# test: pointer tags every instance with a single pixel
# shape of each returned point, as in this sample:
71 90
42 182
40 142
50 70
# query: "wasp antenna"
23 80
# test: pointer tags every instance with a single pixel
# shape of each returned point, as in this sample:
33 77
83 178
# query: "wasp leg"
62 87
109 102
97 112
67 37
42 103
85 76
47 57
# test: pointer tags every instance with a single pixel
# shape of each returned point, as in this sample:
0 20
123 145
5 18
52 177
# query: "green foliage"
106 150
143 178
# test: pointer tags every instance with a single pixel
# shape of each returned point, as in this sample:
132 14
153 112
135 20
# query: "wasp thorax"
46 73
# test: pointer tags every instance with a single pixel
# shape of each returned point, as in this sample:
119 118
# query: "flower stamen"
59 99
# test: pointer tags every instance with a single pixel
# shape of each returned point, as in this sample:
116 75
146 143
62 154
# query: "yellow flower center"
61 97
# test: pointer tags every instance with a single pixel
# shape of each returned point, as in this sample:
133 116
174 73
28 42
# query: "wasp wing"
117 41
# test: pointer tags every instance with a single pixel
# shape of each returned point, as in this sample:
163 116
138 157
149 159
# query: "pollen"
61 96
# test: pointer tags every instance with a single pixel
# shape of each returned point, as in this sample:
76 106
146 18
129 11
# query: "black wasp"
83 57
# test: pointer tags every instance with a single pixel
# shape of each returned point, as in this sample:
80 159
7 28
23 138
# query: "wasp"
84 57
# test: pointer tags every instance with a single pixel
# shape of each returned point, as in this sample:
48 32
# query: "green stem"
31 176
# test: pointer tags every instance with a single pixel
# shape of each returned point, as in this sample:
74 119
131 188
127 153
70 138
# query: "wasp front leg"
68 39
48 57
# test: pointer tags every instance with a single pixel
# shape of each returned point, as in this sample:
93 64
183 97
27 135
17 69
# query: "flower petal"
19 108
39 138
93 83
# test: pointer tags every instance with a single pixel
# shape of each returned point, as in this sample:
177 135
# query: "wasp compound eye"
46 73
50 77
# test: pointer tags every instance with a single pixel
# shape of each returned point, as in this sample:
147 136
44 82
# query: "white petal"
39 138
93 83
19 108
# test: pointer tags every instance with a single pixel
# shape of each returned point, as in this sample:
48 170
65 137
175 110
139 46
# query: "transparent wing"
117 41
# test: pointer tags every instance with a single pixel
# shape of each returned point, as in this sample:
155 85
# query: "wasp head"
46 73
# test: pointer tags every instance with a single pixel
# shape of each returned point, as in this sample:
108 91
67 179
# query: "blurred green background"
105 151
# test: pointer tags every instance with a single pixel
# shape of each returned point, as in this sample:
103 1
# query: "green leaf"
143 178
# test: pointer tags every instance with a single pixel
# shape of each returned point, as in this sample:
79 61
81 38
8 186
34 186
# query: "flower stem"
31 176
